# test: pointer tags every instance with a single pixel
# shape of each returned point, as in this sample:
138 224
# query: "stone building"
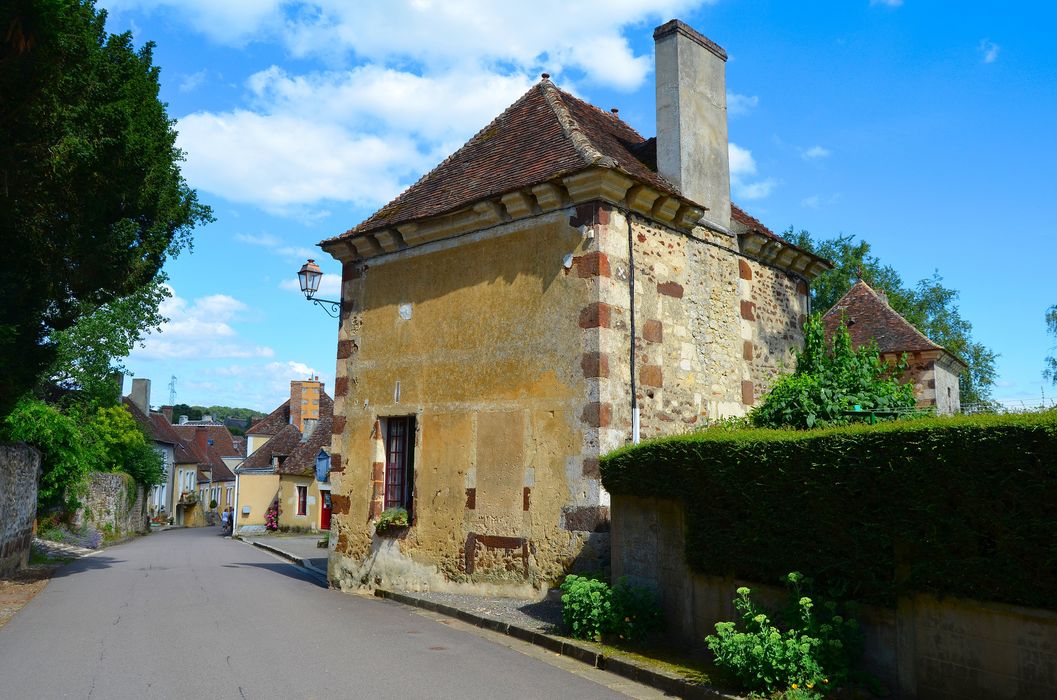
558 287
933 369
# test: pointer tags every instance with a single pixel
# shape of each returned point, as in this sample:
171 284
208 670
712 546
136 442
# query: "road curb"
633 670
321 576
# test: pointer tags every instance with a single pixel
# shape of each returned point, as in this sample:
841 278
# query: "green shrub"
593 610
830 379
68 452
391 518
958 506
813 650
213 504
126 447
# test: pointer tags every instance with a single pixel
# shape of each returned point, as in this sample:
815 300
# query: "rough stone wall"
934 376
924 648
19 472
114 504
485 336
713 328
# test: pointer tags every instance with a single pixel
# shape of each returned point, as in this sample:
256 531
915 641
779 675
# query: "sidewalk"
299 549
539 623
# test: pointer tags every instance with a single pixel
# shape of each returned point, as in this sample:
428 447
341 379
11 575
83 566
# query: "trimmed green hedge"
963 506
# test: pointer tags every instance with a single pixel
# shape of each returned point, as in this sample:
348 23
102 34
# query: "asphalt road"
190 614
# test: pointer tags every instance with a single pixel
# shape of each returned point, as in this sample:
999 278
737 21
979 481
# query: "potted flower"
392 519
271 517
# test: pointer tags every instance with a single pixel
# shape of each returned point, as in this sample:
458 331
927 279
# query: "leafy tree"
92 202
1051 361
68 452
831 379
125 447
928 305
89 352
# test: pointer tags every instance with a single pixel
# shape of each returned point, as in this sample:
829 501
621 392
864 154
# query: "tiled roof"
296 456
302 461
195 439
154 428
868 316
273 422
545 134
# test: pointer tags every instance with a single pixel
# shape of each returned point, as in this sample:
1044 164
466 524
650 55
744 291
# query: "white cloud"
260 385
740 105
329 286
743 186
989 50
199 329
192 81
430 75
814 153
811 202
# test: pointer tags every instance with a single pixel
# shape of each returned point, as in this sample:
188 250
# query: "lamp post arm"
333 308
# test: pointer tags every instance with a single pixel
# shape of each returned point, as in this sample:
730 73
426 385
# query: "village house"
932 369
558 287
166 443
280 470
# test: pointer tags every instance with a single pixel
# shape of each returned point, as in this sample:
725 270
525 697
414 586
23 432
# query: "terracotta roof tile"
297 456
869 317
273 422
545 134
196 441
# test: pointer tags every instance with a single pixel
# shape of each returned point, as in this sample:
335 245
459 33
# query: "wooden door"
324 512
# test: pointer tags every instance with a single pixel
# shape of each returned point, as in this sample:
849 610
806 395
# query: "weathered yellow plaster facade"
255 492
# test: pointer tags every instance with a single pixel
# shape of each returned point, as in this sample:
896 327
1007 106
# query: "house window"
302 500
399 462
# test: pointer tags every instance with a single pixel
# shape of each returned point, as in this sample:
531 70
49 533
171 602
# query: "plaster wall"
288 517
481 340
256 492
925 648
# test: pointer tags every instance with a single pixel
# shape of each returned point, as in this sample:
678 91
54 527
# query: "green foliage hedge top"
962 506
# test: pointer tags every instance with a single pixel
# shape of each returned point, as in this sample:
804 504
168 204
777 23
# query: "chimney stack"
692 118
167 412
304 402
140 395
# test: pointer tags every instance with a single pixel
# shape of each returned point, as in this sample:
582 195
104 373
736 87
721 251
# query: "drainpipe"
631 319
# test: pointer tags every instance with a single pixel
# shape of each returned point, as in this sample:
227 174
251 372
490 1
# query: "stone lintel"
597 183
665 209
517 204
641 198
548 196
389 239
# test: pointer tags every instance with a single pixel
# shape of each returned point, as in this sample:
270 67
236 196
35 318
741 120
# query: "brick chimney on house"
304 402
692 118
140 395
167 412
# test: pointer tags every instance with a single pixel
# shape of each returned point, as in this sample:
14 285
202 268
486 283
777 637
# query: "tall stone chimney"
167 412
140 395
692 118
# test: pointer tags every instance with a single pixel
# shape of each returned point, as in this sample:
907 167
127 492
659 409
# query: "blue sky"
926 128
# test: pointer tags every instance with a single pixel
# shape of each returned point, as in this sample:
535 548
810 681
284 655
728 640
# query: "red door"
324 512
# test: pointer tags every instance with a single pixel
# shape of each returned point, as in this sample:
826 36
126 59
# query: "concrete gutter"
313 571
670 683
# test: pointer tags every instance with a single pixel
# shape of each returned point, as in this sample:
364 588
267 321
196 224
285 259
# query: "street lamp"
308 277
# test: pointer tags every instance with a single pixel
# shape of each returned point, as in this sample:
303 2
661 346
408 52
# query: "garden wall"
115 505
19 472
922 520
926 647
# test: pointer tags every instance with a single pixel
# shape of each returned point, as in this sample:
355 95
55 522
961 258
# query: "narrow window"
302 500
399 462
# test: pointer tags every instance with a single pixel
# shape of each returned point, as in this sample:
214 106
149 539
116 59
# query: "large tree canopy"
92 201
928 305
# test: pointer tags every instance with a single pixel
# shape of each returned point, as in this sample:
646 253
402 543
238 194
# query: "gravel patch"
542 615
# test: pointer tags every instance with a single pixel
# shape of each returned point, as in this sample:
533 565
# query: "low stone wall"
19 472
925 648
115 505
